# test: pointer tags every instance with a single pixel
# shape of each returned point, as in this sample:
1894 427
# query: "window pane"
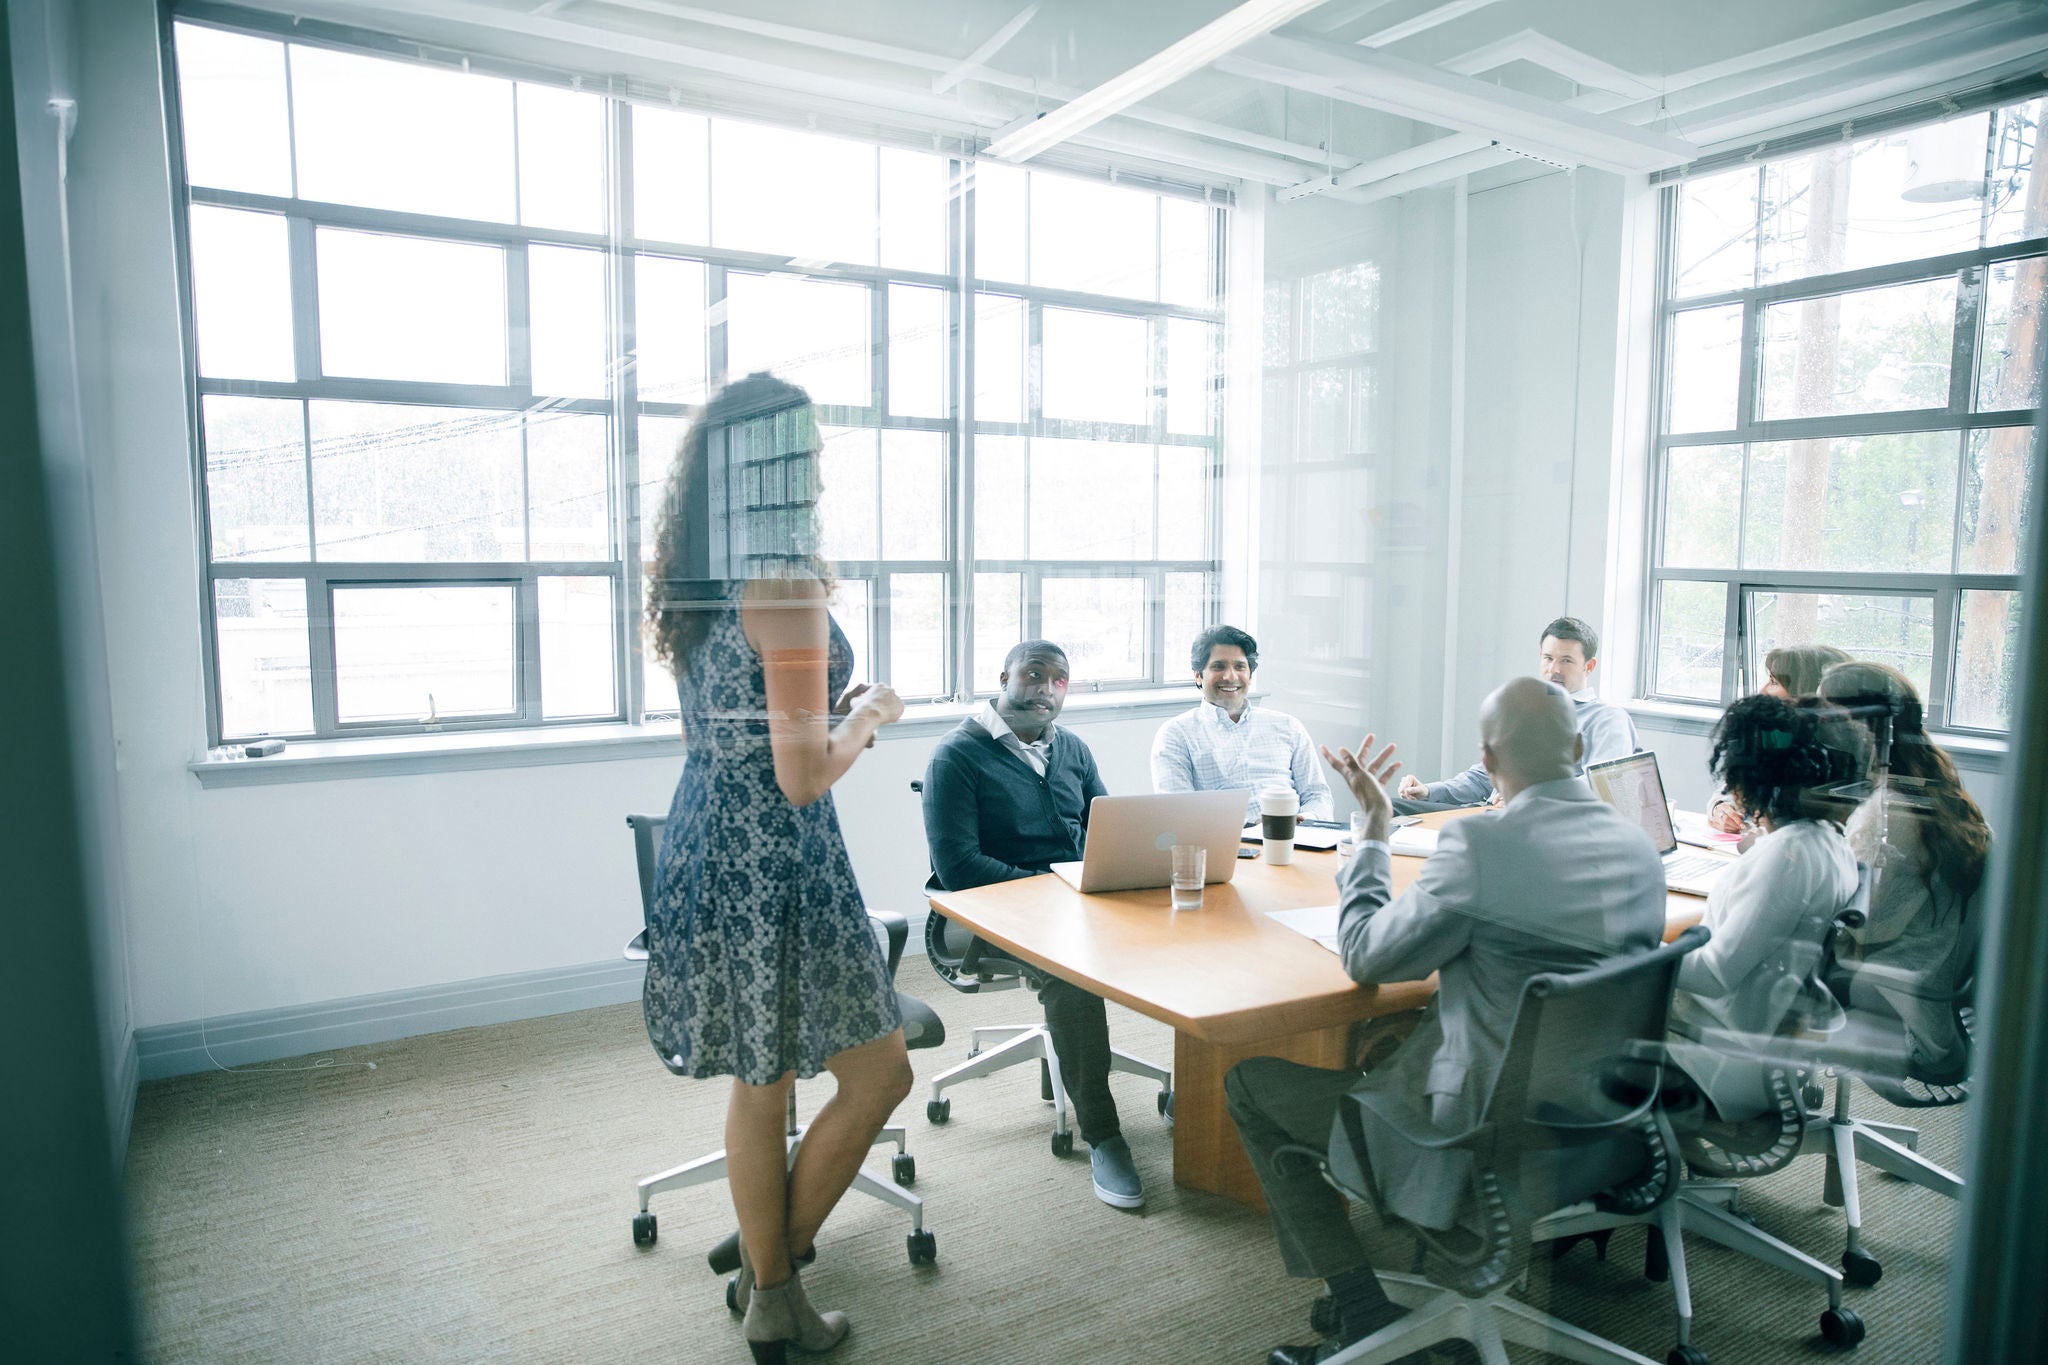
1996 500
660 439
242 294
914 494
263 653
445 650
1190 362
1183 502
1341 308
1092 237
668 329
1890 198
1891 630
810 332
1186 610
793 193
1702 503
568 510
999 218
917 633
998 358
1883 504
1096 367
1717 233
1100 623
1326 417
2018 209
1276 418
849 605
1184 252
914 197
1278 325
565 297
1987 651
1691 626
671 175
576 648
1879 350
255 477
847 504
2009 359
919 346
415 484
999 497
1090 500
561 159
231 101
410 308
998 624
393 135
1706 369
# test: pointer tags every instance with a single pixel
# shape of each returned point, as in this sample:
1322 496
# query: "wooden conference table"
1232 982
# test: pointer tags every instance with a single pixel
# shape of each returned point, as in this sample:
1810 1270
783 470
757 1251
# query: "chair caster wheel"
732 1295
903 1168
1322 1316
1812 1096
924 1247
1861 1269
1841 1326
1164 1099
724 1258
1656 1261
1686 1355
1044 1081
1062 1144
938 1111
643 1229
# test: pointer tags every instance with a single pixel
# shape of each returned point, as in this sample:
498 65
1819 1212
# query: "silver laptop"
1634 786
1130 838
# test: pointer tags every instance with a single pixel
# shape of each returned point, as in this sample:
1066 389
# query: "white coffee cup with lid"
1279 808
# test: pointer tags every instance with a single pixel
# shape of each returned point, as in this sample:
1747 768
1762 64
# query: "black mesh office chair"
921 1028
1572 1117
971 965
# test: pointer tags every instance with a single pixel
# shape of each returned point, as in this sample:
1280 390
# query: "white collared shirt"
1038 753
1205 750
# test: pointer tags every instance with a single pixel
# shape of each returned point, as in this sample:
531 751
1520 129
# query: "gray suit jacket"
1555 881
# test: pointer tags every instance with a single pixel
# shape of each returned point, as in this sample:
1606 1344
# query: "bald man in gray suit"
1555 880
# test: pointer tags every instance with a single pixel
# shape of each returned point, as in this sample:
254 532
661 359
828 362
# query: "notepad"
1318 922
1413 840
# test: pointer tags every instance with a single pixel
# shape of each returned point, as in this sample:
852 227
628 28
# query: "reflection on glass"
1277 323
1876 350
671 175
998 358
567 503
1706 369
1987 651
1100 623
1996 500
1690 639
1093 237
848 506
1717 233
812 333
565 300
1340 310
1702 502
575 648
231 104
999 497
255 477
404 653
998 624
1090 500
850 608
1186 610
917 633
919 351
242 294
416 484
410 308
1095 367
2009 359
1894 197
668 329
1895 630
792 193
914 491
1854 503
561 159
395 135
660 439
266 670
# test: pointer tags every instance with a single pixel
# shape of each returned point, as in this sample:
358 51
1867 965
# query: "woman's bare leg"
873 1079
757 1172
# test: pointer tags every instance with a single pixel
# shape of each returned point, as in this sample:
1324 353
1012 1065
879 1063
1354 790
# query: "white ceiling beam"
1390 166
1812 43
1424 22
1471 163
975 60
1540 49
1379 80
1199 49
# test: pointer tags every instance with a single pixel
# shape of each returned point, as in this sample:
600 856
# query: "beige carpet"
471 1197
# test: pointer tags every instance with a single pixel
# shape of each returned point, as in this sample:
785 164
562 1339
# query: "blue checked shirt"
1204 750
1608 731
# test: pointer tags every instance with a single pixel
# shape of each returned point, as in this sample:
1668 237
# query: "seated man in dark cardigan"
1006 796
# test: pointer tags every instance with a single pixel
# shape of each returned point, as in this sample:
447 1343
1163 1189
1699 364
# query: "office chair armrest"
898 930
1477 1136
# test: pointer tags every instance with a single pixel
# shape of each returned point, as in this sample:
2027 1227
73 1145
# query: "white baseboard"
270 1035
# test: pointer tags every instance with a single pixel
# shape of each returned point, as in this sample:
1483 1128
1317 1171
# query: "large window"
1851 363
449 329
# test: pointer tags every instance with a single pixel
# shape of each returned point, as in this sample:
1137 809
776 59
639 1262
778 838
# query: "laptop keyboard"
1692 867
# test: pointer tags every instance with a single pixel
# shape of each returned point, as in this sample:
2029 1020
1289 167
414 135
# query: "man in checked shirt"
1226 742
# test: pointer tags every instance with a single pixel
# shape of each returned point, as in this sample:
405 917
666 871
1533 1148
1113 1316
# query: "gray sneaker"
1116 1177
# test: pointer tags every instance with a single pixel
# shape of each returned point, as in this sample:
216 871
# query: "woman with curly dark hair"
761 964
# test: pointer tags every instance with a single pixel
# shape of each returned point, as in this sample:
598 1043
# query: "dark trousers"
1277 1104
1080 1035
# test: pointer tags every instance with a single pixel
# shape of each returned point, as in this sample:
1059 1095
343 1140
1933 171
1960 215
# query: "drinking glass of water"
1190 870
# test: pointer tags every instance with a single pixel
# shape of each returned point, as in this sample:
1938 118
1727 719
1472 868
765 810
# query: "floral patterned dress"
761 960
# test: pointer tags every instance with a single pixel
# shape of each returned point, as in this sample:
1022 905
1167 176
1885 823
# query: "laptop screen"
1634 787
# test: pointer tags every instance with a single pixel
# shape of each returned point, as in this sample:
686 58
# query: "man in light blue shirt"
1227 742
1567 655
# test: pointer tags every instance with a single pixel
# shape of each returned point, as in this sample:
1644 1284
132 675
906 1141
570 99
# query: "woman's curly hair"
1778 759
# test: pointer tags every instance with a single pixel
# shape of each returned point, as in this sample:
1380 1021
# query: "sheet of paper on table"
1413 840
1318 922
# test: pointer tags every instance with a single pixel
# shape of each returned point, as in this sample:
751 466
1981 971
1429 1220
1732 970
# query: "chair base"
706 1169
1846 1140
1002 1046
1490 1323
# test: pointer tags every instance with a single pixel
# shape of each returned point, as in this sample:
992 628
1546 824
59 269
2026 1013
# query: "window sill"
395 755
1977 753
